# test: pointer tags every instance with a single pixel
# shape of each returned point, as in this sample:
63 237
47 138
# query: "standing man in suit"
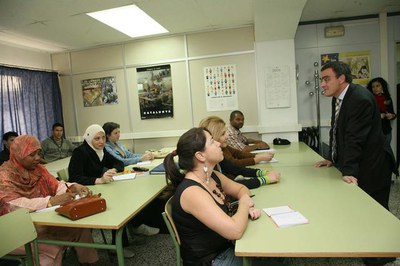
357 144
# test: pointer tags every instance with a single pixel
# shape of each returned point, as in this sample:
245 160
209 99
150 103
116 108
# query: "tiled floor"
159 249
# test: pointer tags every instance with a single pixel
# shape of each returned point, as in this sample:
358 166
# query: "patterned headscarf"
18 182
90 133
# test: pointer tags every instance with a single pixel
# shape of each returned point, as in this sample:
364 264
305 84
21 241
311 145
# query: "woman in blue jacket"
116 149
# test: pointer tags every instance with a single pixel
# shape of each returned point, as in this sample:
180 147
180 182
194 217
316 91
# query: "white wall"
14 56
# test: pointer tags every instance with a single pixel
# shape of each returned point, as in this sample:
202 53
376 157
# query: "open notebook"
284 216
124 176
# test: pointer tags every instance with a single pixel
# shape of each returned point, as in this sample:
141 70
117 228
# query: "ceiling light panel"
129 20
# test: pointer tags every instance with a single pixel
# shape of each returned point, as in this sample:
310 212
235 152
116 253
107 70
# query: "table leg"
120 248
247 261
36 252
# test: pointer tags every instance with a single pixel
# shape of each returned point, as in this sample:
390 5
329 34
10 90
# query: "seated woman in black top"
200 206
91 163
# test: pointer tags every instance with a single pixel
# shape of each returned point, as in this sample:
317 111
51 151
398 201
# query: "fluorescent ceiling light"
129 20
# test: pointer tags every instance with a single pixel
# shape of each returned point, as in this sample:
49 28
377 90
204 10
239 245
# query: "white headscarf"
90 133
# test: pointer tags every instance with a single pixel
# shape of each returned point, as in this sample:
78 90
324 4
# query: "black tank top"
199 244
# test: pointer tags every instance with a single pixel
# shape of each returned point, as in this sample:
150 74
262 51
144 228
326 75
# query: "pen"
68 189
237 202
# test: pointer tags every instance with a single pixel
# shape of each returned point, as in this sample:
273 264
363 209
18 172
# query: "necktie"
334 146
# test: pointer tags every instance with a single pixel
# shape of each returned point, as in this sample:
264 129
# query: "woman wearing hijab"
90 163
25 183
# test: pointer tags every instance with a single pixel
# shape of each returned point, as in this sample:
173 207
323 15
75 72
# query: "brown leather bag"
83 207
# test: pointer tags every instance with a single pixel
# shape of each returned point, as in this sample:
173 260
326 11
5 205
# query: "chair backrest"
16 229
167 215
63 174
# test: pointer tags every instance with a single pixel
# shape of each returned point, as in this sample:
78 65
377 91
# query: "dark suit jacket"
85 166
361 147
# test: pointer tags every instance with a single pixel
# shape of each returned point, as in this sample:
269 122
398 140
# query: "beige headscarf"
90 133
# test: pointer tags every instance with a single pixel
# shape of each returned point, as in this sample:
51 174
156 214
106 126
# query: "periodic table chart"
220 87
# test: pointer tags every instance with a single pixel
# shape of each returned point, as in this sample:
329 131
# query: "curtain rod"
28 68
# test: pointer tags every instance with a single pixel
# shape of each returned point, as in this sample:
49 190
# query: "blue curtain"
30 101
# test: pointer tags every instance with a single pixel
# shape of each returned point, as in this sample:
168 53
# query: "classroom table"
344 221
55 166
124 200
295 154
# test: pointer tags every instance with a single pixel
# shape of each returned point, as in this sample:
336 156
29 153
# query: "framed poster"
155 92
99 91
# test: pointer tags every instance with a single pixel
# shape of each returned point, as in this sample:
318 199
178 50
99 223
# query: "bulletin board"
277 87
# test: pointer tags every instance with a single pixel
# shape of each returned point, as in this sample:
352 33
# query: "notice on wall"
220 88
277 87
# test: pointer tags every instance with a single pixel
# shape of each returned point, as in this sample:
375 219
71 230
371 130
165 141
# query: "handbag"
83 207
279 141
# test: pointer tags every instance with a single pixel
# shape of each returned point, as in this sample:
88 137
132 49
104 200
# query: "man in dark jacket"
357 145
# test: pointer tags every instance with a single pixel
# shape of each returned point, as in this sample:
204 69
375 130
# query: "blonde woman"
231 166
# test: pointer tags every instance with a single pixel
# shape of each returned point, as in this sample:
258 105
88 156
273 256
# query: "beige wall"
187 55
19 57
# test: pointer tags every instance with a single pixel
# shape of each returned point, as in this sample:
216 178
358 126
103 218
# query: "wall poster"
359 63
220 88
99 91
155 92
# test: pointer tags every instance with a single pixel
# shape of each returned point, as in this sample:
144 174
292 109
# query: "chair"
63 174
17 229
167 215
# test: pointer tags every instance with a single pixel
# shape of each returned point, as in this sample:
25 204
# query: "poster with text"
359 63
155 92
99 91
220 88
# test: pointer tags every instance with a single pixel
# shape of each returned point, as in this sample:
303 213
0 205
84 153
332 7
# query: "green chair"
63 174
167 215
17 229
